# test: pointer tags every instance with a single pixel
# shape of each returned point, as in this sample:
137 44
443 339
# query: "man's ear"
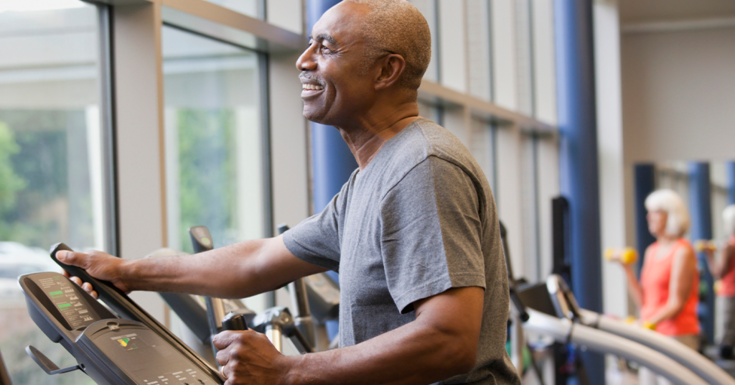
391 68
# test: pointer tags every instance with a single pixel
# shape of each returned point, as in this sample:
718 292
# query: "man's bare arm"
236 271
440 343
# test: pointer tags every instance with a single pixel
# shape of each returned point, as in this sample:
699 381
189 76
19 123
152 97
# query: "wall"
678 92
678 95
664 93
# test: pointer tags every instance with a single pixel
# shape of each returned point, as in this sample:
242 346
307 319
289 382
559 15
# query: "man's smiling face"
336 86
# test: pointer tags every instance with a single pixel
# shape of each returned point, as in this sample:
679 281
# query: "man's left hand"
248 357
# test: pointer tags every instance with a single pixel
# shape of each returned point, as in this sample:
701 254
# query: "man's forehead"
340 22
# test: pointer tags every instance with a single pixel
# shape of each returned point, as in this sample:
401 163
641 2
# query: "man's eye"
325 49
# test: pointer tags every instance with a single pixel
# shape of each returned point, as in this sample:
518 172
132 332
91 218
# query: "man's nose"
306 60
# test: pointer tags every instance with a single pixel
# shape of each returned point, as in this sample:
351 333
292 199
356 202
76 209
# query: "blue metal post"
700 204
332 161
645 183
730 169
575 80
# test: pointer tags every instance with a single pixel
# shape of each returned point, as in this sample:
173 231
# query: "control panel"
143 355
129 349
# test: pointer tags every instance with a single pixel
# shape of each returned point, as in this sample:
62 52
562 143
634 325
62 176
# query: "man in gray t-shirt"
414 232
419 220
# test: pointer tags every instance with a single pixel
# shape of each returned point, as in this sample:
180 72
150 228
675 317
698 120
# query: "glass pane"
247 7
524 53
530 208
544 68
431 112
478 50
215 167
482 147
50 157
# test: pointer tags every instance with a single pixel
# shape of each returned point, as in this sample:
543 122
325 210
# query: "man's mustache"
308 78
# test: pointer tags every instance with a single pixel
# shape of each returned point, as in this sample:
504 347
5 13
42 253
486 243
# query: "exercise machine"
217 319
565 331
127 348
314 300
276 322
566 306
545 318
515 323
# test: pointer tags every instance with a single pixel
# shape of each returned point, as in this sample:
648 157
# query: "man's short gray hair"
396 26
677 214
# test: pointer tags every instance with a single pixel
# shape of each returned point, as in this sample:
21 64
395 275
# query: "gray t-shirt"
418 220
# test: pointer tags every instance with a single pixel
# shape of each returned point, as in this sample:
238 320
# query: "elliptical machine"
127 347
316 292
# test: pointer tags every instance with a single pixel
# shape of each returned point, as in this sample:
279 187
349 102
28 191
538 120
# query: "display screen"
148 359
130 342
64 296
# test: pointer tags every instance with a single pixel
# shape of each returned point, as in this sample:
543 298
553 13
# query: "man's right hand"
99 265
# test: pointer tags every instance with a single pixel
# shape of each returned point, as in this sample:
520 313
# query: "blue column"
575 80
700 205
645 183
730 169
332 161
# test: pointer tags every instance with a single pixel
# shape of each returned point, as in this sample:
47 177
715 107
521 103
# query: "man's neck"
367 137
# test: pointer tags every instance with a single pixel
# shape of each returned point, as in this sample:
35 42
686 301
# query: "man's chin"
314 116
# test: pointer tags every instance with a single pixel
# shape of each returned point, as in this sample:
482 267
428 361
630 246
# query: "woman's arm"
720 268
680 287
716 269
634 287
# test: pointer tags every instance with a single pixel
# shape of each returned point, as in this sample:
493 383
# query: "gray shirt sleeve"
431 233
316 239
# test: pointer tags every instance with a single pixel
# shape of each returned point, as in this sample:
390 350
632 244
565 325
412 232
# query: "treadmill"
565 331
544 319
127 348
566 306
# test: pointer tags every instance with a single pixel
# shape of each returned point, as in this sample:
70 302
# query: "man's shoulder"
424 139
425 148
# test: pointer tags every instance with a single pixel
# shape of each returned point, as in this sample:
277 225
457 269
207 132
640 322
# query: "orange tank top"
728 279
655 279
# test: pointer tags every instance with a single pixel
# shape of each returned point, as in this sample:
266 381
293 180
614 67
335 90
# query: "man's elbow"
467 361
460 358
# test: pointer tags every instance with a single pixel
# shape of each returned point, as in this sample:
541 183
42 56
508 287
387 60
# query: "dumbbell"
645 324
717 286
626 255
703 245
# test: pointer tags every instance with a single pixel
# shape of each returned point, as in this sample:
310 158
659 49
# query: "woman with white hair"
667 292
724 270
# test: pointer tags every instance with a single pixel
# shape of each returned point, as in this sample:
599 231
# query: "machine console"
110 349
